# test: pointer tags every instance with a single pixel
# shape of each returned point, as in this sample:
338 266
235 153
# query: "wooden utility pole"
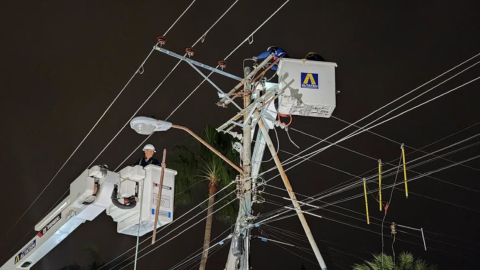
160 187
293 198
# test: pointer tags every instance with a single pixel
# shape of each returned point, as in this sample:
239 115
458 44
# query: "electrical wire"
137 71
372 158
407 146
390 163
412 179
366 129
278 145
191 256
176 220
350 186
165 242
212 253
314 207
442 139
230 54
371 231
205 79
363 129
388 204
395 100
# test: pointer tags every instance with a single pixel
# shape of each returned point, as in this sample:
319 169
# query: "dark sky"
63 62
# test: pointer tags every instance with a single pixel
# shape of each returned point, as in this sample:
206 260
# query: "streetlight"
147 125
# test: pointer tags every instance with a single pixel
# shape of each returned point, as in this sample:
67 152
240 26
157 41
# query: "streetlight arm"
209 147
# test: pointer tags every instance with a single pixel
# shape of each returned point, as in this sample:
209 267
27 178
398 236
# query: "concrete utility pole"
247 168
293 198
240 261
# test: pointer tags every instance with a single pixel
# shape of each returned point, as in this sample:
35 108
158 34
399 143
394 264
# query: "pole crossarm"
271 93
223 101
196 63
213 84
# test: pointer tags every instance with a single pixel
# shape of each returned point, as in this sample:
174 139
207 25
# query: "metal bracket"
214 85
196 63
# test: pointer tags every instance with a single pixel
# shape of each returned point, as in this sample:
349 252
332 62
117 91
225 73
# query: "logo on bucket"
309 80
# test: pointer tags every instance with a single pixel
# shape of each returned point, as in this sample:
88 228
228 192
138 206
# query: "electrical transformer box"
311 87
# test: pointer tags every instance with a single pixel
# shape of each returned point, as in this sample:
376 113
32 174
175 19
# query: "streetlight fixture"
147 126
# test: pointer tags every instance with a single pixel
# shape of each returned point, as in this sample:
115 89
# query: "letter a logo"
309 80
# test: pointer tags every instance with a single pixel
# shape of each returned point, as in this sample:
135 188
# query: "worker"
148 159
277 52
313 56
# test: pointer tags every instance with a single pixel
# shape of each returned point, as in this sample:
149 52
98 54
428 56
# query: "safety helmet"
149 147
277 51
313 56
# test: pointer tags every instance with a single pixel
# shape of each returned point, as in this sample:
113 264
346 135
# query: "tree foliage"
197 166
405 261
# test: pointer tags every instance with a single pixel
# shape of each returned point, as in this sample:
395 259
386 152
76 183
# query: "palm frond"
196 164
383 261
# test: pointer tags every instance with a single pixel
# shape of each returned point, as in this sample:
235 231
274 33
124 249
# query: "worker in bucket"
148 159
277 53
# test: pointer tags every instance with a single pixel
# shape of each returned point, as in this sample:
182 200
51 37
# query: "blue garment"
143 162
278 52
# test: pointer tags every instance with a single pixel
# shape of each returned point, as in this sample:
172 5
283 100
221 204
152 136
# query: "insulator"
393 228
222 64
190 52
162 40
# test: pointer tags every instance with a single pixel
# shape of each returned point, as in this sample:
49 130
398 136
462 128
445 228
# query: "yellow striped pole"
366 200
380 183
404 170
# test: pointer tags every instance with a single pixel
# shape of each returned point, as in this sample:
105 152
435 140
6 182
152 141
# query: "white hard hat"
149 147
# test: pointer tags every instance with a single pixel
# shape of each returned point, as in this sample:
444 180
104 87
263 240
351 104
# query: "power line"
145 254
409 180
372 158
98 121
329 204
217 66
398 143
442 139
361 130
395 100
337 189
205 79
192 256
175 220
361 228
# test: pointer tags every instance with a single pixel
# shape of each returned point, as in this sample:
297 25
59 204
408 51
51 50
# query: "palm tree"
196 164
405 261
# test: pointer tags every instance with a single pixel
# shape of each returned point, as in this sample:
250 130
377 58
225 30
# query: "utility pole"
247 168
293 198
239 260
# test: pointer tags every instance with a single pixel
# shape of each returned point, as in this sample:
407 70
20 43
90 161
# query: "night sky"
63 62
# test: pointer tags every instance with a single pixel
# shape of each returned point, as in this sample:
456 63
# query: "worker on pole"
277 52
148 159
